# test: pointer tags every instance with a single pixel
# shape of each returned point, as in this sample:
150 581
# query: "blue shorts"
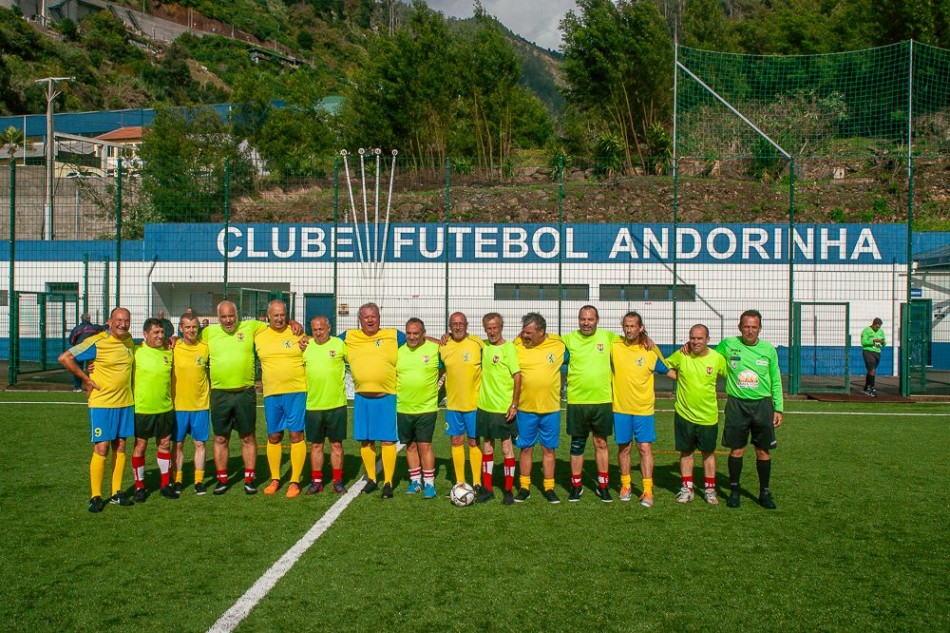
534 426
641 428
194 423
460 423
106 425
374 419
285 412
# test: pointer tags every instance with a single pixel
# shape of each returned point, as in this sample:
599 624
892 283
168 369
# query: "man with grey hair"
539 407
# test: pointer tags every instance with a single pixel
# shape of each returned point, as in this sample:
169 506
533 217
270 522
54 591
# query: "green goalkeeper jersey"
752 370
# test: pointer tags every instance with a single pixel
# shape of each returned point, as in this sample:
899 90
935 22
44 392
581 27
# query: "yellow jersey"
112 370
372 359
463 372
540 375
190 383
282 368
633 369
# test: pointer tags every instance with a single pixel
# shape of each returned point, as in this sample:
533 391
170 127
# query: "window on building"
60 291
647 292
541 292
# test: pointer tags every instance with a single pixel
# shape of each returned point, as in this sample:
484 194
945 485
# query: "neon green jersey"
588 367
696 385
326 374
232 355
752 370
152 381
499 366
871 340
417 378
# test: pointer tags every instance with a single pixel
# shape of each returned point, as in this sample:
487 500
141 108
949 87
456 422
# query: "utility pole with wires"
51 94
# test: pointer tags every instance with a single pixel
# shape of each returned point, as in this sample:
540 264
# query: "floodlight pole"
51 94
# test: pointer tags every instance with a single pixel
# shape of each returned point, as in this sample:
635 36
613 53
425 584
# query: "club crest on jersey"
600 347
287 344
378 343
709 371
199 361
466 357
639 362
551 359
240 336
332 353
425 359
167 360
495 358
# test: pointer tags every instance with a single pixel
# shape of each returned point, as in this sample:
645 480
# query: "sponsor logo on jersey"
762 362
748 379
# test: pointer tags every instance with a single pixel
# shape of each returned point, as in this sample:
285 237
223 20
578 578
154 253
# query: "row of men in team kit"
496 389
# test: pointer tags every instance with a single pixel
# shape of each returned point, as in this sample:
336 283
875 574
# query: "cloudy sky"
535 20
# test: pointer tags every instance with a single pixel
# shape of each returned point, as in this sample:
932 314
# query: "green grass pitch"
859 542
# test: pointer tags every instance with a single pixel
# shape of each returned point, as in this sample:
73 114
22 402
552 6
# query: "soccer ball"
462 495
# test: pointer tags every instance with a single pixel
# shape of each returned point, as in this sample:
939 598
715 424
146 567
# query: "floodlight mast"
51 94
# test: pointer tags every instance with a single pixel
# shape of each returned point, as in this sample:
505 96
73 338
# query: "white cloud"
535 20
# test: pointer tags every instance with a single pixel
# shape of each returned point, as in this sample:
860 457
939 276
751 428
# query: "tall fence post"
227 221
905 339
676 199
791 263
105 288
560 253
14 326
118 233
85 283
336 220
445 237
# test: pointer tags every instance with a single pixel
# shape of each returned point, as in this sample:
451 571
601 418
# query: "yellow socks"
298 456
177 476
118 470
273 459
199 476
97 471
524 482
548 484
648 486
625 481
389 462
475 460
368 453
458 461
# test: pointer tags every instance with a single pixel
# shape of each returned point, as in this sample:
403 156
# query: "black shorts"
233 411
584 419
871 359
745 417
325 423
416 427
494 426
154 424
690 436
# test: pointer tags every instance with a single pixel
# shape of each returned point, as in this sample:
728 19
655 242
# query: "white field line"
231 618
787 413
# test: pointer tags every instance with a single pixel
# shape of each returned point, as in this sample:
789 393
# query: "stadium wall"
730 268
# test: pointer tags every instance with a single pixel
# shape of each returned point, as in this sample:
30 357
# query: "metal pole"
445 237
336 223
118 233
905 334
105 289
227 221
51 94
11 292
676 55
560 253
41 301
791 257
85 283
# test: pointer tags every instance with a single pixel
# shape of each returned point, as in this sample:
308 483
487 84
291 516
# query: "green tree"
184 155
617 60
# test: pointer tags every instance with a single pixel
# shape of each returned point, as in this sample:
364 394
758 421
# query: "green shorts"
690 436
325 423
584 419
416 427
233 411
749 417
154 424
494 426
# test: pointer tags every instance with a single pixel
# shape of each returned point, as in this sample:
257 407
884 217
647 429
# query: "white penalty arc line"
787 413
231 618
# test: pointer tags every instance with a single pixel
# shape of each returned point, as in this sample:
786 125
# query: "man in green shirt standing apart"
872 340
754 406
